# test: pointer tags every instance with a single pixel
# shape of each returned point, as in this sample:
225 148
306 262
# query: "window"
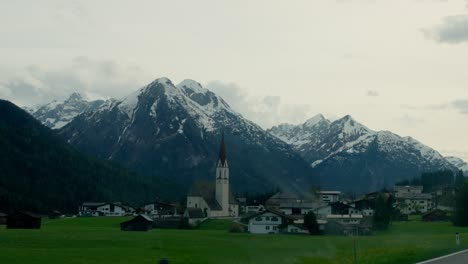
258 218
275 228
274 219
267 218
267 227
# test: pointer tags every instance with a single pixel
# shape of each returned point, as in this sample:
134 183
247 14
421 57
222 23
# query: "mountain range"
57 114
347 155
173 131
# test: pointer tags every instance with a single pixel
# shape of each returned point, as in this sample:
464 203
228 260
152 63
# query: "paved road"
455 258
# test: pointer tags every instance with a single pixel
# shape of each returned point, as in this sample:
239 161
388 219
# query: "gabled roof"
195 213
207 190
278 213
138 217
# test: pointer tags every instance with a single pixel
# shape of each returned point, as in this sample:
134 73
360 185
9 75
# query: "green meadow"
99 240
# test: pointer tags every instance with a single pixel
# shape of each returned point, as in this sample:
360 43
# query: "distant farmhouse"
161 210
104 209
138 223
411 199
214 200
23 220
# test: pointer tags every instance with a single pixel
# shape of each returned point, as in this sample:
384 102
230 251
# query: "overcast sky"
399 65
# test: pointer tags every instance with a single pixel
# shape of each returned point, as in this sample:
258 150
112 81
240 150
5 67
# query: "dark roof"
195 213
138 218
24 213
222 151
207 190
94 203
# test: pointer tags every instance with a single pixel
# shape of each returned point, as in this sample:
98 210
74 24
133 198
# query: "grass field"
99 240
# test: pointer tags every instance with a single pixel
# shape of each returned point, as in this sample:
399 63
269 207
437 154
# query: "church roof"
207 190
222 151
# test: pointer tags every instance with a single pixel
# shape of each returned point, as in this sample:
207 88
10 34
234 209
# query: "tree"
460 178
461 207
310 222
383 212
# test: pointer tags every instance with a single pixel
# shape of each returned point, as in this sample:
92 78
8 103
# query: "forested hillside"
40 172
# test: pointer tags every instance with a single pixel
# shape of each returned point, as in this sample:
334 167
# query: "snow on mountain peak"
314 120
75 97
457 162
193 86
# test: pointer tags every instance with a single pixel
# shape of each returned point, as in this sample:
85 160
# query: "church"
214 198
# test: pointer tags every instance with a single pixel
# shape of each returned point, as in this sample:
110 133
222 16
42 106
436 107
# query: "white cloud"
453 30
94 79
265 110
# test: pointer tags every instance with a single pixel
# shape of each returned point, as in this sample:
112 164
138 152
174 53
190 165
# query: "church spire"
222 151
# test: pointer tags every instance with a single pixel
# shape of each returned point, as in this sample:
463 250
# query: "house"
214 198
435 215
55 214
296 208
347 225
294 229
195 216
161 210
275 201
254 208
322 211
414 203
103 209
23 220
329 196
138 223
268 222
404 191
3 219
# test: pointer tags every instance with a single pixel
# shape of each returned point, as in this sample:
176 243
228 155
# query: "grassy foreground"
99 240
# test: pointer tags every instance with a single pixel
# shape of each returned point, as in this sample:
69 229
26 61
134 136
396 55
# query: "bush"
236 228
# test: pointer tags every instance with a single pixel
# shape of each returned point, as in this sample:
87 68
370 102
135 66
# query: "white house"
408 190
102 209
294 229
414 203
322 211
329 196
161 210
267 222
254 208
215 200
296 208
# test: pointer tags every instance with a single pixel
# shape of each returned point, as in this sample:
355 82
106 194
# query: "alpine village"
177 157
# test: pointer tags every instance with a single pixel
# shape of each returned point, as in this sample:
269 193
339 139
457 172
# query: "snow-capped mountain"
347 155
57 114
459 163
174 131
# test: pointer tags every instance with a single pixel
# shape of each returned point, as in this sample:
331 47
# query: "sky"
399 65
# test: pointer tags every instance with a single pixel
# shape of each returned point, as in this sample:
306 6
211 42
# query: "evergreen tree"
310 222
461 207
460 178
383 212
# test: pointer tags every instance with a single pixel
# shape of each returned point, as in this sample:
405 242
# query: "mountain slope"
459 163
40 172
174 131
57 114
347 155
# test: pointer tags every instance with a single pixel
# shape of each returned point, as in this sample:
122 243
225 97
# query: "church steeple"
222 151
222 179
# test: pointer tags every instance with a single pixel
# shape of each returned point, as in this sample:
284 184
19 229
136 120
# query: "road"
460 257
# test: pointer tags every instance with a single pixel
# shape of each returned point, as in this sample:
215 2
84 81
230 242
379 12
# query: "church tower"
222 179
